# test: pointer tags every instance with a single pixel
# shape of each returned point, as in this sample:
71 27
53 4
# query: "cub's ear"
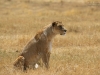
54 24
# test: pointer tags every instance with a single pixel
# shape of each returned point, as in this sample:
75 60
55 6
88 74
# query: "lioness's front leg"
45 59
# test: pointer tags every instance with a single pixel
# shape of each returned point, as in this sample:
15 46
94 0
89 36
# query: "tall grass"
76 53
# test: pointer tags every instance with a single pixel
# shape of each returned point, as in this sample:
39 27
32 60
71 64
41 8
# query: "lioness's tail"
19 62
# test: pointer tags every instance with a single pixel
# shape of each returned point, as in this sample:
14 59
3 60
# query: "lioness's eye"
60 26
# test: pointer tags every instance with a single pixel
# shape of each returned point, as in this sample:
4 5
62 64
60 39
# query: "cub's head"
58 28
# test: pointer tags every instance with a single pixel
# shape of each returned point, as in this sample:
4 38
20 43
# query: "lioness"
40 46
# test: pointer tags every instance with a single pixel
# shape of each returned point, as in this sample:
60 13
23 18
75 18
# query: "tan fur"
40 46
19 62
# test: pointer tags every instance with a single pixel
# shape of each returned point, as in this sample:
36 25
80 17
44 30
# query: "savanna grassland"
76 53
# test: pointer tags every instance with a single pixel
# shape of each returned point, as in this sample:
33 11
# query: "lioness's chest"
44 45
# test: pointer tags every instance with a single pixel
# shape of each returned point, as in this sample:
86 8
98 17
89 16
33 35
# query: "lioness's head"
58 28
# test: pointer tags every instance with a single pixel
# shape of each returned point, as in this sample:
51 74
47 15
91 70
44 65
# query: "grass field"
76 53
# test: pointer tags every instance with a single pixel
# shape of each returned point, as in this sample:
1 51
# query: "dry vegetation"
76 53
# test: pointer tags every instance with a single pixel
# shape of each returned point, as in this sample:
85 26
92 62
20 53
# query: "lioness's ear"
54 24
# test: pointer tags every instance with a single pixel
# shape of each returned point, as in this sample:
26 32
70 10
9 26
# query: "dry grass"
76 53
